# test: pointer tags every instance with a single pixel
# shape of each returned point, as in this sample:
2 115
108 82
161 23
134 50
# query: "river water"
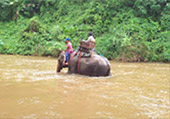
30 88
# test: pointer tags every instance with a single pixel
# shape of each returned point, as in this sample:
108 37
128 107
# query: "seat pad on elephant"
83 54
84 45
86 49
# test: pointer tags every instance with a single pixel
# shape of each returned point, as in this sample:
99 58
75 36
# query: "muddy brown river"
30 88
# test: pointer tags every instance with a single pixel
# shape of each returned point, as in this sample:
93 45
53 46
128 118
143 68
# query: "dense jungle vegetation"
128 30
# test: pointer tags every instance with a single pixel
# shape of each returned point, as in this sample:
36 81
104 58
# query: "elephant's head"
61 60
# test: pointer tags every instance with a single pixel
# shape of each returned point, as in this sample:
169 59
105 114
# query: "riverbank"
55 58
122 32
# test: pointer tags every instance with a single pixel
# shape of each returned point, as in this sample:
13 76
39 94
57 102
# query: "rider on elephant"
91 41
91 37
68 50
89 44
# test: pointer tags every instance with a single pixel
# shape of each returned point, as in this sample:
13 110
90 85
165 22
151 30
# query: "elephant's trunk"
59 66
58 69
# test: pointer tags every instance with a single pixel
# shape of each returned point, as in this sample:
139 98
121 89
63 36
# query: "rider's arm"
67 48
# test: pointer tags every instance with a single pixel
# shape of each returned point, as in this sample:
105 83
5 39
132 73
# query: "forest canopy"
128 30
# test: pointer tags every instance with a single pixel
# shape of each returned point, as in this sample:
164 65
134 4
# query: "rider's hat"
67 39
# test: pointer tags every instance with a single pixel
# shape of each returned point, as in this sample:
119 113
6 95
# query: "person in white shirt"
91 37
89 44
91 40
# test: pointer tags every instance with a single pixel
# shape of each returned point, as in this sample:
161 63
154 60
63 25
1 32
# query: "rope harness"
78 63
73 55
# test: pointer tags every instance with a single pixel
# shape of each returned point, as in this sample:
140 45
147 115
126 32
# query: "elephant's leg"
73 66
69 72
72 69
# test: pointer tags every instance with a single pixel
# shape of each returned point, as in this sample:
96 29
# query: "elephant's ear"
64 57
59 57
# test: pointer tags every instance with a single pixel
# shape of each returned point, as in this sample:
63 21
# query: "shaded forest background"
128 30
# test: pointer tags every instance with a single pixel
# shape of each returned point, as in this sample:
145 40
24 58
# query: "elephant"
95 65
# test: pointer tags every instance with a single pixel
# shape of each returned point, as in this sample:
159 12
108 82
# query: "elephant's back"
100 59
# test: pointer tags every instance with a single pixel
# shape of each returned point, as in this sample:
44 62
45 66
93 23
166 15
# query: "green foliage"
37 40
1 46
152 8
130 30
7 8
